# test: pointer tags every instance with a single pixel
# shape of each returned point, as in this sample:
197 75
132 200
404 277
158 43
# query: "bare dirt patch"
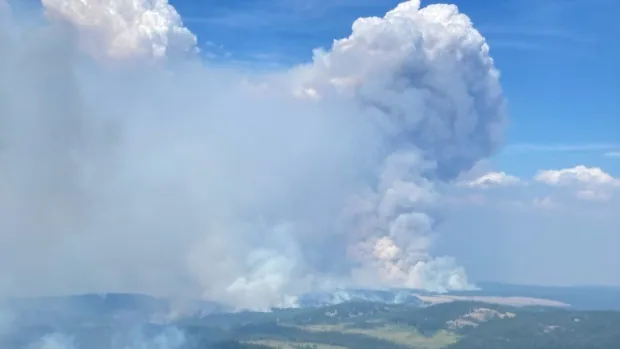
512 301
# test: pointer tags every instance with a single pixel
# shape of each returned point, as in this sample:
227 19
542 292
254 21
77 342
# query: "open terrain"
422 321
452 325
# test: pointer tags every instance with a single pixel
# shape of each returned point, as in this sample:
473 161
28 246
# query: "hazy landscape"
221 174
133 321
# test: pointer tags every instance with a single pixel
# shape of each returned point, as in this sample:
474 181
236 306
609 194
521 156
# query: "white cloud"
580 175
125 28
589 183
492 179
594 195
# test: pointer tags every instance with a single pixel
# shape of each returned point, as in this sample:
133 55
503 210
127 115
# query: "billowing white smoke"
187 180
426 75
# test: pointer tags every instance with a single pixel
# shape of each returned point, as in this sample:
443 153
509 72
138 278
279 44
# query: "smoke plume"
128 165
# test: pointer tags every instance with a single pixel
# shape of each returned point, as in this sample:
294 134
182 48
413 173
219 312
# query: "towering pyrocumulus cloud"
187 180
427 77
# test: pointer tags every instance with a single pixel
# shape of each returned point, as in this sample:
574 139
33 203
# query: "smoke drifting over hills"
146 170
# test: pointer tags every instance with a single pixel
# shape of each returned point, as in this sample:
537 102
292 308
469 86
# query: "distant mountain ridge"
581 297
578 297
136 307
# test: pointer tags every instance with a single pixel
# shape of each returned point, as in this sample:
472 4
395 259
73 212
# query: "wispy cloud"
613 154
549 23
275 33
561 148
273 14
517 44
537 32
250 18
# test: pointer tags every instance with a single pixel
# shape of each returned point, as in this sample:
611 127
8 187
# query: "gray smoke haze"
128 165
170 338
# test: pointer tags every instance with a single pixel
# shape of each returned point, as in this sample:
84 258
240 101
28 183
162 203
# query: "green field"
402 335
276 344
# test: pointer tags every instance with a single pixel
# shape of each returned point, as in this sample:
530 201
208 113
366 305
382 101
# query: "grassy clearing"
343 327
409 337
276 344
396 334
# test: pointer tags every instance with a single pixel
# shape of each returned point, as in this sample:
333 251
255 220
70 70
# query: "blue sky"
557 57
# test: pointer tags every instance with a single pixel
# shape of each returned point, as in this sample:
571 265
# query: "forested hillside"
459 325
357 325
